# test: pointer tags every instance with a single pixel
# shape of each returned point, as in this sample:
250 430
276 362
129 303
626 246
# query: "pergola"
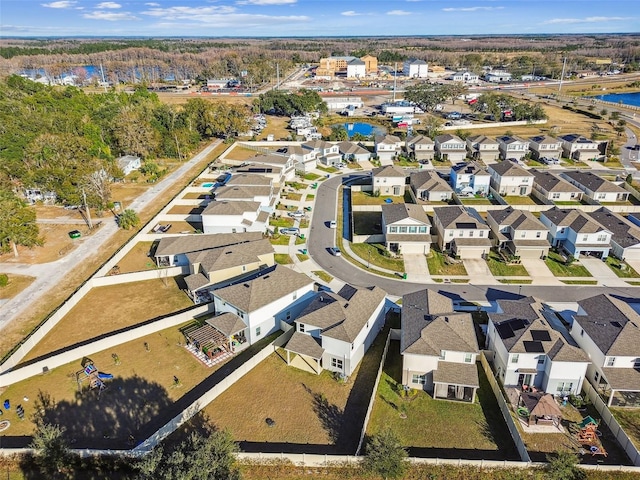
306 347
543 409
206 338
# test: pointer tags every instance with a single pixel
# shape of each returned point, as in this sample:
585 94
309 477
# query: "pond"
362 128
632 98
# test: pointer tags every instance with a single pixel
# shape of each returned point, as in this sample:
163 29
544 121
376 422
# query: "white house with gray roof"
387 147
451 147
597 188
353 152
512 147
415 68
544 146
608 330
576 233
428 186
483 148
519 233
470 179
529 352
625 236
551 187
438 347
304 158
234 217
420 147
128 163
510 179
578 147
389 180
335 330
461 233
277 295
406 228
326 153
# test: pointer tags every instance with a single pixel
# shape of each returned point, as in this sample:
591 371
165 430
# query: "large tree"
53 456
17 223
385 456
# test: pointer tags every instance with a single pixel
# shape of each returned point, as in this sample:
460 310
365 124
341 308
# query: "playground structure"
91 374
589 436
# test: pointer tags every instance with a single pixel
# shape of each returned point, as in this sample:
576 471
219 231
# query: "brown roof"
196 243
270 286
428 180
248 179
465 374
195 281
622 378
231 256
396 212
389 171
230 207
517 219
304 344
408 237
472 242
227 323
541 405
509 169
241 191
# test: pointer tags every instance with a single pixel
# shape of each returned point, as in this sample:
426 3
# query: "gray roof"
523 329
508 139
233 207
408 237
419 140
258 168
270 286
594 182
447 137
271 159
544 140
197 243
227 323
455 216
552 183
416 61
577 138
396 212
472 168
428 180
390 139
351 148
472 242
451 373
509 169
248 179
622 378
342 315
126 160
304 344
575 219
612 325
625 233
430 325
389 171
355 61
231 192
517 219
230 256
482 140
195 281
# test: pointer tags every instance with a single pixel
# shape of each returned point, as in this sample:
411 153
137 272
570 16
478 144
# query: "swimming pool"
208 185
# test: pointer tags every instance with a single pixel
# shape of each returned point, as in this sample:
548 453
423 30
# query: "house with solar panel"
530 353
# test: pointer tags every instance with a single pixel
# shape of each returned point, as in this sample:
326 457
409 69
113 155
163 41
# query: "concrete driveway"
415 265
479 272
539 272
601 271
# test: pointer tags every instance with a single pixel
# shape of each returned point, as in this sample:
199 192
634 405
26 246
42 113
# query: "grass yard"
372 253
559 269
580 282
309 410
324 169
367 223
475 201
185 210
279 239
300 240
137 259
241 153
520 200
322 275
283 258
310 196
312 177
106 309
437 263
281 222
629 420
626 272
296 185
515 282
500 269
302 257
367 198
438 427
142 390
16 284
294 197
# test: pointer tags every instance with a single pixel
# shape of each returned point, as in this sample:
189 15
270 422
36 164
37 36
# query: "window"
585 238
581 332
418 379
562 230
470 233
442 354
611 361
413 229
601 196
596 377
422 229
538 234
258 331
336 363
523 234
301 327
481 233
468 357
541 359
451 233
295 295
288 316
352 346
602 238
555 196
403 229
244 268
636 363
515 357
393 229
564 387
461 233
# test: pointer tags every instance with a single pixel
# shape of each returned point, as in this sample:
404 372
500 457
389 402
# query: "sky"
286 18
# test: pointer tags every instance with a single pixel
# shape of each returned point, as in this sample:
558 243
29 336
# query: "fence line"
506 412
621 436
373 394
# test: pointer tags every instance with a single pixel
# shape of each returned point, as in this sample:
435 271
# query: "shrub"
4 279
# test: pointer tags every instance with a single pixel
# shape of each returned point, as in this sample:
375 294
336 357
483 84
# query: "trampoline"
4 425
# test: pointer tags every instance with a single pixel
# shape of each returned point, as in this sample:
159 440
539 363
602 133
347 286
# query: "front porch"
455 381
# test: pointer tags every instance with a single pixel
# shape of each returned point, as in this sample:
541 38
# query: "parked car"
297 214
75 234
335 251
333 224
290 231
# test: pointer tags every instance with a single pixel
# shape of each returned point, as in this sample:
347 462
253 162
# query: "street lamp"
369 259
519 289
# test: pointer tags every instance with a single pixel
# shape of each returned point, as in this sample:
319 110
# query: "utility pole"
564 64
395 78
277 76
86 210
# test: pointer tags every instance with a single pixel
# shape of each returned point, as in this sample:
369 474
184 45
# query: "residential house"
497 76
335 330
352 152
438 347
263 194
128 163
596 188
461 233
428 186
510 179
551 187
264 303
387 147
451 148
234 217
625 238
389 180
277 174
465 77
512 147
356 68
608 330
414 68
304 159
420 147
406 228
326 153
481 147
519 233
544 146
469 179
577 147
529 352
576 233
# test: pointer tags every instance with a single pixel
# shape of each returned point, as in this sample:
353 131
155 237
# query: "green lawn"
311 176
372 252
322 275
559 269
281 222
517 200
436 261
295 197
403 162
629 420
515 282
282 258
280 240
367 198
300 240
475 200
302 257
627 272
444 428
296 185
326 169
500 269
310 196
580 282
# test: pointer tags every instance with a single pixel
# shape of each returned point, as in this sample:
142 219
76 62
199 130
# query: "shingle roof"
195 281
428 180
612 325
430 325
622 378
552 183
508 139
271 159
471 168
248 179
594 182
396 212
237 207
452 373
455 215
388 139
227 323
419 140
270 286
304 344
625 233
575 219
231 256
517 219
544 140
389 171
351 148
241 191
196 243
447 137
509 169
482 140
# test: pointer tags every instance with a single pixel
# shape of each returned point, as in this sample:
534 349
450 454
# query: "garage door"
632 254
414 248
470 252
536 253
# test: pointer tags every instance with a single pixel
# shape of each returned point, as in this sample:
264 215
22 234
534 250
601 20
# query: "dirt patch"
137 259
17 283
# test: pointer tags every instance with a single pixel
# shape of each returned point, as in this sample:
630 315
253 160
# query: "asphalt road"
321 237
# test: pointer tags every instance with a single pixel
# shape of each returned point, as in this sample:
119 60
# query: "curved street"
321 237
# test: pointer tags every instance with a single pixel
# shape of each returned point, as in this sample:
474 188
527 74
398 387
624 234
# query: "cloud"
189 13
351 13
584 20
470 9
398 12
152 4
108 5
60 4
218 16
109 16
266 2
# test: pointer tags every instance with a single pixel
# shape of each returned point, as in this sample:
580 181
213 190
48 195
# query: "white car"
333 224
297 214
335 251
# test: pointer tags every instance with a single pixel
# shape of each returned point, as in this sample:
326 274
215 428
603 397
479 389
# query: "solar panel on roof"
533 347
541 335
504 330
517 324
465 225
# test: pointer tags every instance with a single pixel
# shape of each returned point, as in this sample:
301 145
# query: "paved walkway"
539 272
415 265
479 272
601 272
